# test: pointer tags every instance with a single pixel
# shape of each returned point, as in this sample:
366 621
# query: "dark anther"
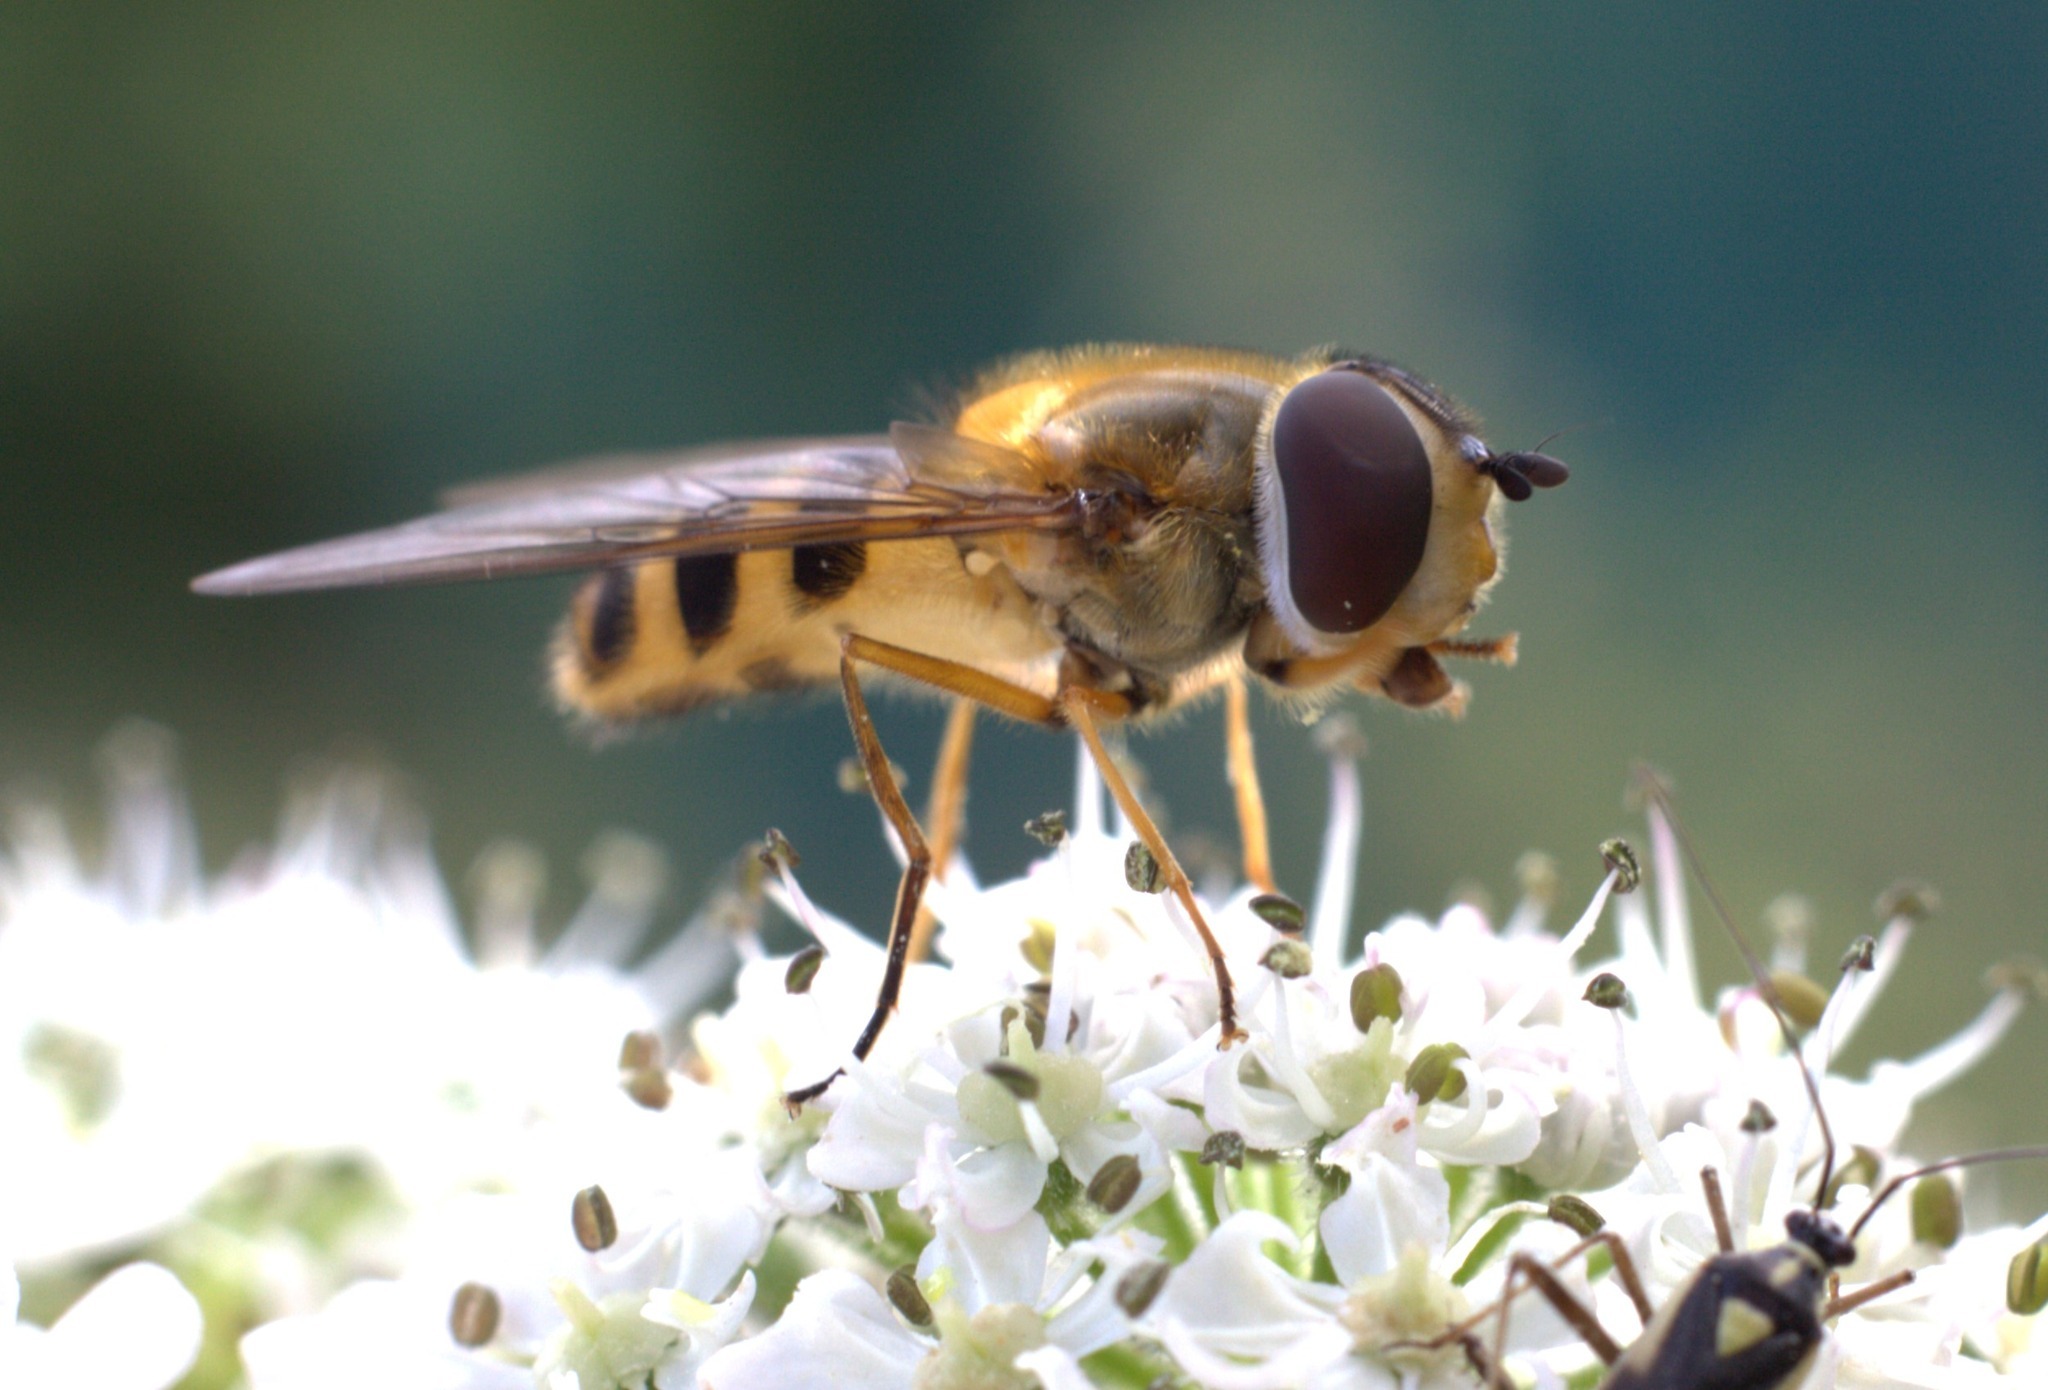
473 1315
1225 1146
1621 860
590 1216
907 1298
1139 1285
1606 992
1048 829
1115 1183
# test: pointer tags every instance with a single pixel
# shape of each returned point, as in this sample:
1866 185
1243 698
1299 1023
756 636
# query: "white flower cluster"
418 1166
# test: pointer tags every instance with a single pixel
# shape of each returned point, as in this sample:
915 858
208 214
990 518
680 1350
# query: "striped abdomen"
669 636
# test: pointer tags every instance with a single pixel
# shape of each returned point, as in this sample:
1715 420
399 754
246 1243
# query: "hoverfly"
1745 1319
1096 535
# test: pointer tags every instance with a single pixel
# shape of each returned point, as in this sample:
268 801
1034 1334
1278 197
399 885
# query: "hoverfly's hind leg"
1241 766
917 867
1080 706
945 811
974 688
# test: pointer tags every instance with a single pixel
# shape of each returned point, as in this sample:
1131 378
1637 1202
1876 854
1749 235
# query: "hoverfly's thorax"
1160 462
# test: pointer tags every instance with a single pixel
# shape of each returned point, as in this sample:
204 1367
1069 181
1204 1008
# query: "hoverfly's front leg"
1080 705
1243 771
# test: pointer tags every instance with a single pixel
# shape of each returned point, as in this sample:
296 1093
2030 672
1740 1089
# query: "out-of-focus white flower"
1045 1174
136 1329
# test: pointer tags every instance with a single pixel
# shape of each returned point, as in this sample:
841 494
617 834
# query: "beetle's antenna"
1966 1161
1654 789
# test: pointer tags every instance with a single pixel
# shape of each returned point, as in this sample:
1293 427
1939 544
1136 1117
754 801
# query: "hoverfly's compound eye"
1355 494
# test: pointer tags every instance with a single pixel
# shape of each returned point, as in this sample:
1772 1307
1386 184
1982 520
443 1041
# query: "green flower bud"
803 968
1433 1075
1375 994
1289 959
1576 1213
1280 912
1937 1211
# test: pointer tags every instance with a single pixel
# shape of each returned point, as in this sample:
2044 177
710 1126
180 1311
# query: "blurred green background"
270 273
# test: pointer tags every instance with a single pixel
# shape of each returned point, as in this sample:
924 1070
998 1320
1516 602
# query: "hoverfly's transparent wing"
624 468
744 497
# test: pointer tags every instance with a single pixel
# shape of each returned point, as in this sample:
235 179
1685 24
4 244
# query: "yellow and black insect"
1096 535
1745 1320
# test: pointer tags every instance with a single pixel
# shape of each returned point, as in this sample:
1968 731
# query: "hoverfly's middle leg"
1076 708
1242 768
945 811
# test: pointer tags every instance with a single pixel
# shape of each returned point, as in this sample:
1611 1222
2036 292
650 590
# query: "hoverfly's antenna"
1562 430
1653 788
1520 471
1966 1161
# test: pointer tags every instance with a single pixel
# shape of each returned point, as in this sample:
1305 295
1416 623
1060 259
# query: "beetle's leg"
1243 770
1540 1276
1717 1208
1846 1303
943 813
1491 1374
1080 705
1625 1271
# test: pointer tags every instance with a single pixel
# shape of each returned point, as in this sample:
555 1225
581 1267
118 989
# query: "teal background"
269 273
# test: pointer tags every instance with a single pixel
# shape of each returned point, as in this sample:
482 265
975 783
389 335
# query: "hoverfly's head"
1347 487
1822 1236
